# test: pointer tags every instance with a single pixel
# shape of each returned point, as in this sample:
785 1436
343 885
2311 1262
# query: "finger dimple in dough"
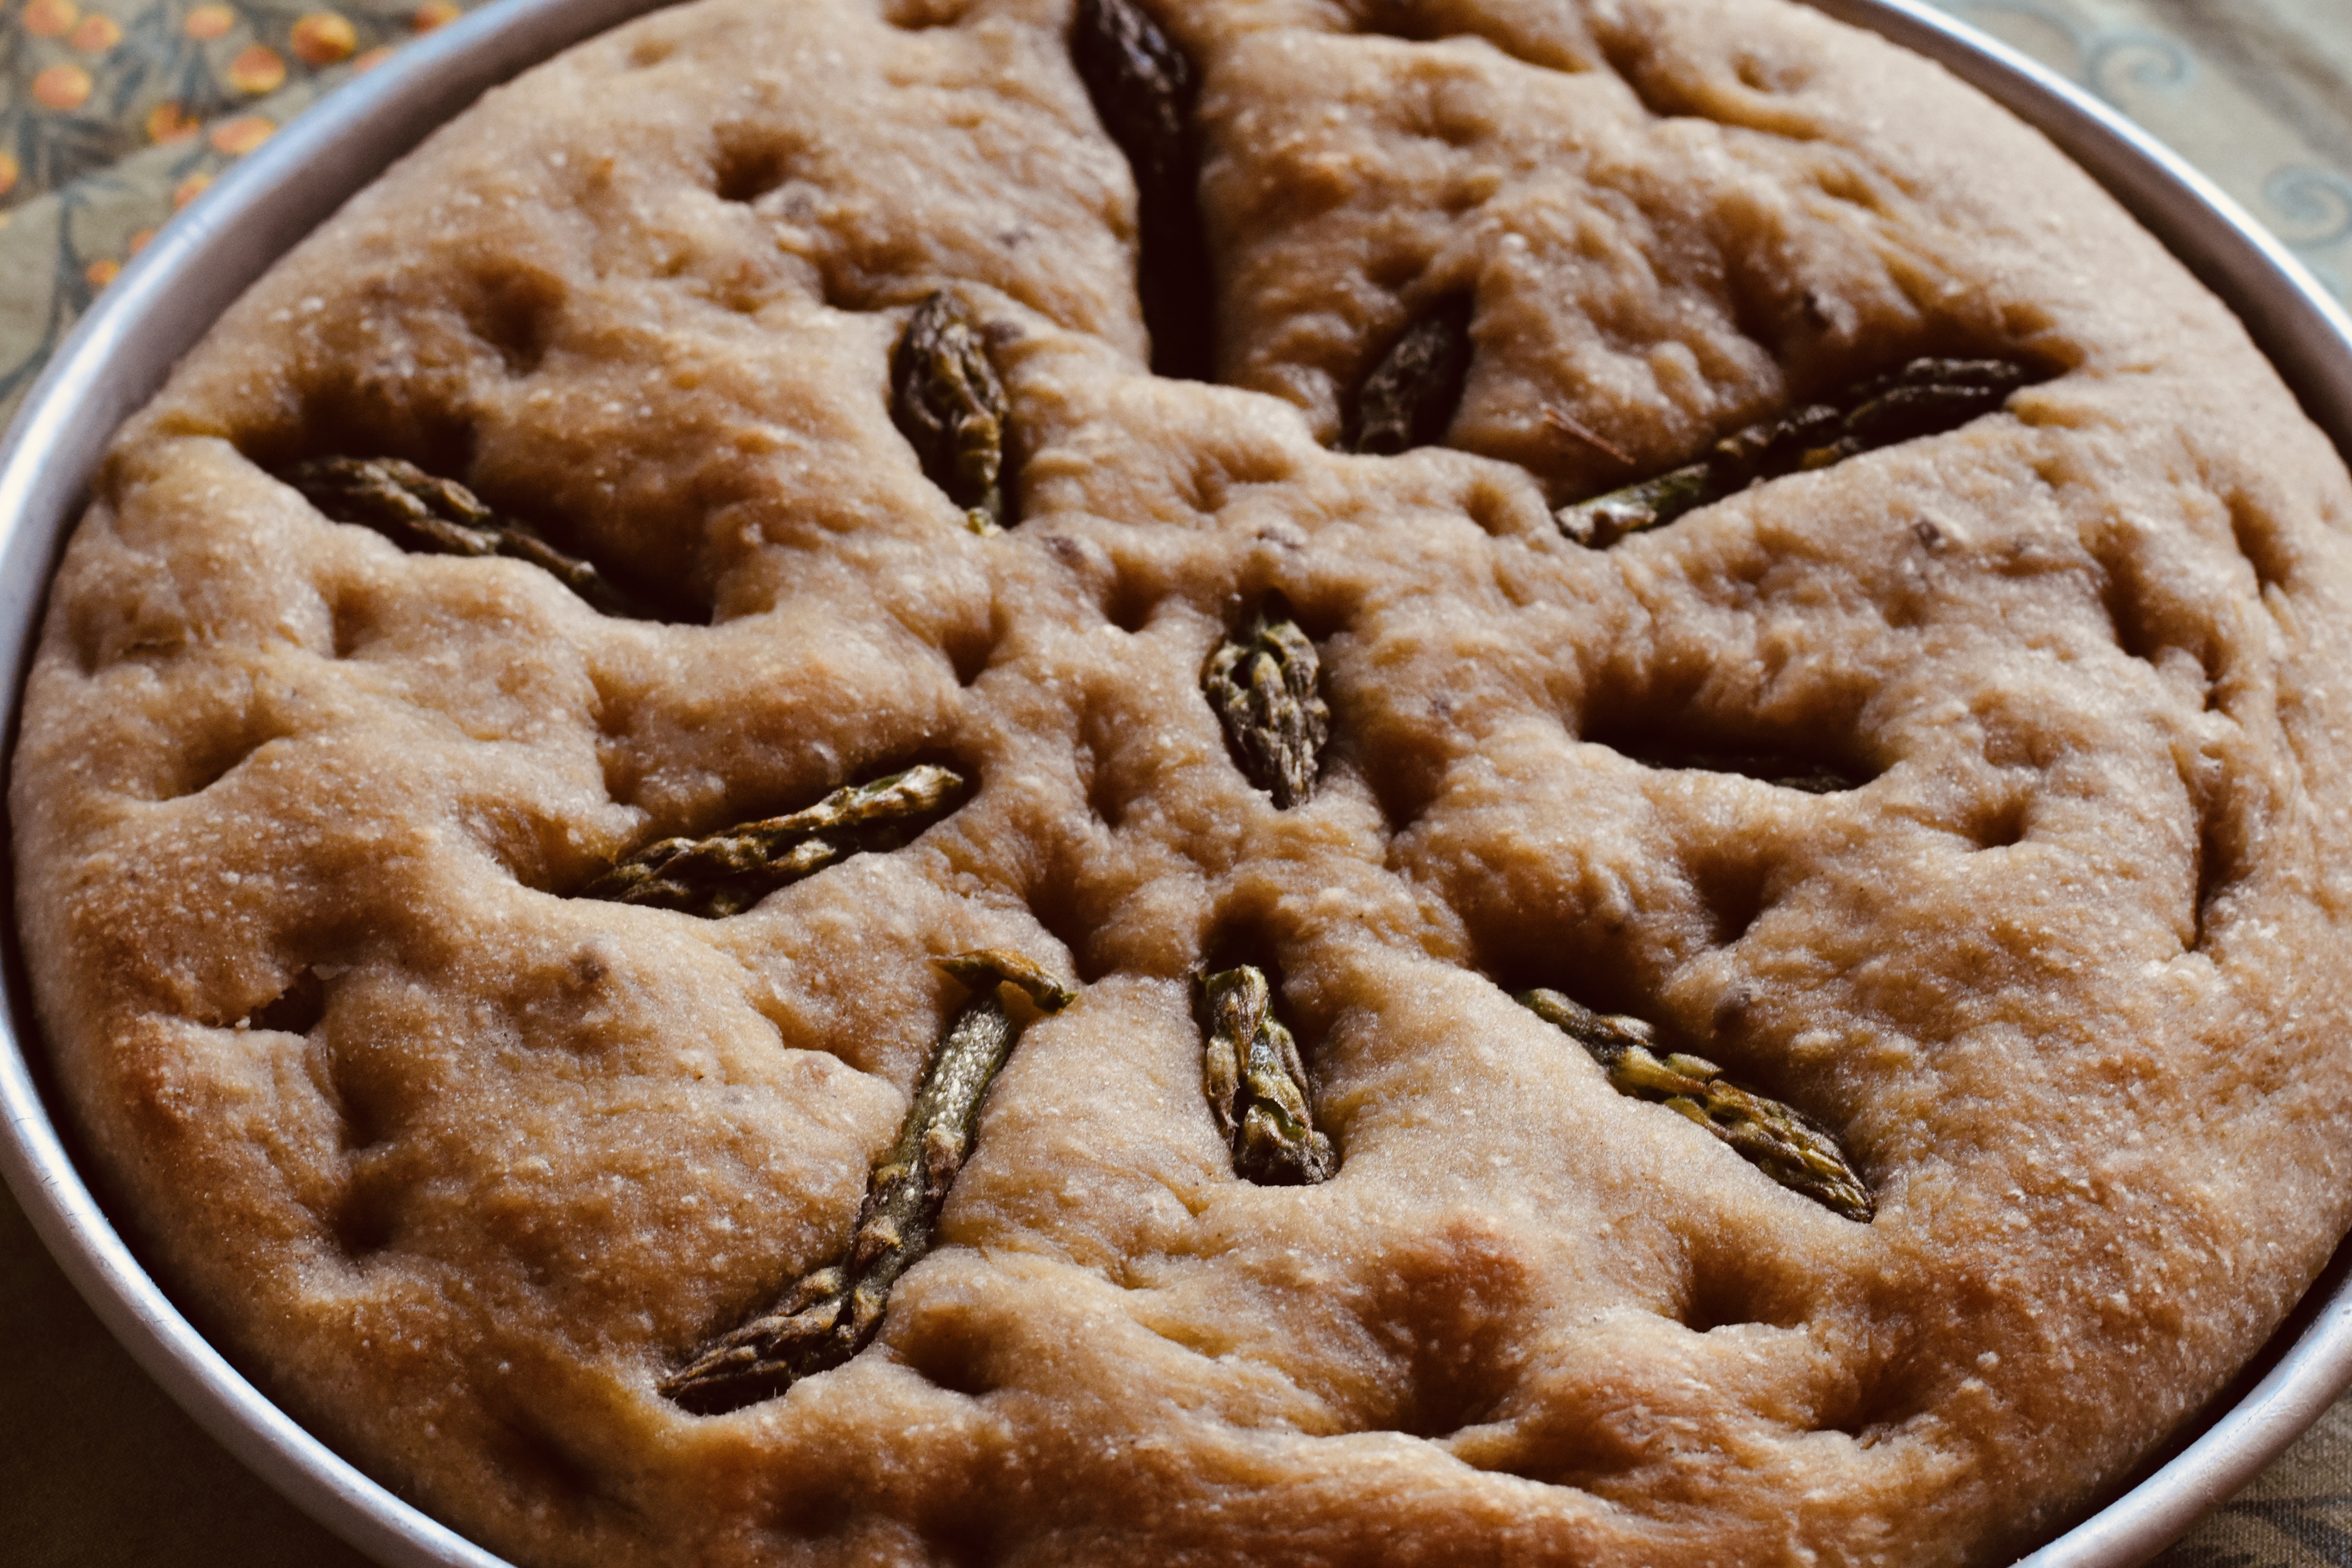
1979 796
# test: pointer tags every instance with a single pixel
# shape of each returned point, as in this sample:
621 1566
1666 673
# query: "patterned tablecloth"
114 114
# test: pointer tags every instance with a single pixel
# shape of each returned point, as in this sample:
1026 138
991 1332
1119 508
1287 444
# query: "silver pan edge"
119 354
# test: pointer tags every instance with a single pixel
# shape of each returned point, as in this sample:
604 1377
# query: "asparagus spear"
1263 692
426 513
1779 1140
1256 1084
727 873
830 1314
1925 397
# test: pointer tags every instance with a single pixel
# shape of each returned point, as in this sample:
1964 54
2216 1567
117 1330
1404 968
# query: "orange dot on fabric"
168 121
102 272
257 68
242 134
97 33
324 37
139 241
372 59
208 22
50 18
61 86
189 189
434 14
10 169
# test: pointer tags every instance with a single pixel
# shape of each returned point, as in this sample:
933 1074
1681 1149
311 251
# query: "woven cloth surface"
116 114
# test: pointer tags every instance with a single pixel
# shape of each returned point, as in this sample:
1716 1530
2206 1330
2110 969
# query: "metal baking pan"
154 313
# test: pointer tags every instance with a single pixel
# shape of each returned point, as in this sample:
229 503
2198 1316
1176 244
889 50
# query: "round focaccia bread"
1983 796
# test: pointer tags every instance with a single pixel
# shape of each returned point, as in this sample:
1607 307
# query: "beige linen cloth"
116 113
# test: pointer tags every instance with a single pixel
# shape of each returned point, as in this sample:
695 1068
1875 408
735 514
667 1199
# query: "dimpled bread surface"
458 1165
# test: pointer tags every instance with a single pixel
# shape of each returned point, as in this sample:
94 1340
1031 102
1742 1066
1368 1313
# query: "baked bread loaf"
1653 727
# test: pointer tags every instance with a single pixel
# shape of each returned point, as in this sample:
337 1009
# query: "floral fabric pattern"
115 114
2256 93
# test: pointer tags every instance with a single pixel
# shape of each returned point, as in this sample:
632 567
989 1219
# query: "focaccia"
1215 781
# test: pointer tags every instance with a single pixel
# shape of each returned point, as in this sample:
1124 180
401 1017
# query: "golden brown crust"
458 1165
